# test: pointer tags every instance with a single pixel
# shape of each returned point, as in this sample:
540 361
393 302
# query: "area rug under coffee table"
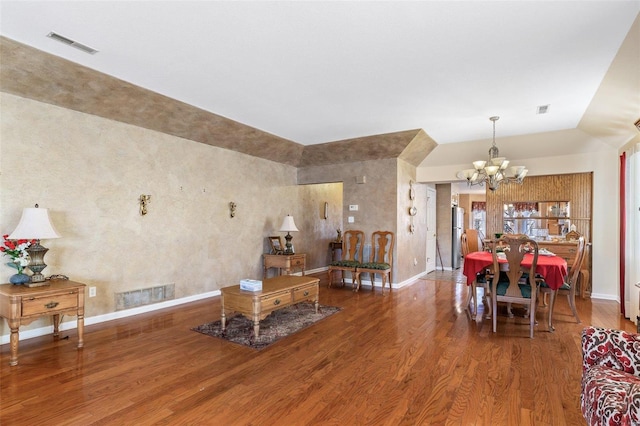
276 325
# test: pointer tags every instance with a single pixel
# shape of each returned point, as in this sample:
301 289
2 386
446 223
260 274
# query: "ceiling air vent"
543 109
72 43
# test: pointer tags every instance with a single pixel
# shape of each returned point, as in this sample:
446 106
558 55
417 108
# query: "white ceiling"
316 72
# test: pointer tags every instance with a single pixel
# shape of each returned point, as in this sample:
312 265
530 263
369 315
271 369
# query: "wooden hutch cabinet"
546 208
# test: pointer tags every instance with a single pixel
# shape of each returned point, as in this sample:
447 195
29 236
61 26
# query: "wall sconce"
326 210
144 200
232 209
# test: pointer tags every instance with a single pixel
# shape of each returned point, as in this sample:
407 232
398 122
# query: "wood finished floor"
405 357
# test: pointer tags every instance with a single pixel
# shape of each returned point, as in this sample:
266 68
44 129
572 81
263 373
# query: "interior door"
431 229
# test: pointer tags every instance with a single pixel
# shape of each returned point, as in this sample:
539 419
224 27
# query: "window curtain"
630 253
479 217
623 234
479 205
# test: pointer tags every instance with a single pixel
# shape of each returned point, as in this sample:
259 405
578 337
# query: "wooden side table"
21 305
335 246
288 262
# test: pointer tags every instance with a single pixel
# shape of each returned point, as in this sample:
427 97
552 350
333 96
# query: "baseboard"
605 297
69 325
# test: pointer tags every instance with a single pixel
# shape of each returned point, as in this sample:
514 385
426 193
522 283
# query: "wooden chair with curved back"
569 286
473 242
464 244
511 286
469 244
352 247
380 259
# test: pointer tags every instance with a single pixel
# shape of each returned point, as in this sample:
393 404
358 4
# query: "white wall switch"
92 292
350 219
353 207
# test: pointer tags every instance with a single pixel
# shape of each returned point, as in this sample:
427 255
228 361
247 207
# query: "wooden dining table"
552 268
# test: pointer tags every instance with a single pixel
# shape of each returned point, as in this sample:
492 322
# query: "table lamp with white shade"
288 226
35 224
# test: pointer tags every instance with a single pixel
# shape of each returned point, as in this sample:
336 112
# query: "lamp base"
288 246
36 262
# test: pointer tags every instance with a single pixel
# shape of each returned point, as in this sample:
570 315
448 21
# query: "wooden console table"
21 305
276 293
288 262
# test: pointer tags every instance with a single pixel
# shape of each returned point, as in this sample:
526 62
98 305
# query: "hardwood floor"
406 357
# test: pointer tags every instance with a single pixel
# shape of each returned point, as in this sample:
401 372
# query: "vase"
19 279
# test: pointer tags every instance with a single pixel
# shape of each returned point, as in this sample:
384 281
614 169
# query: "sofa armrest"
611 348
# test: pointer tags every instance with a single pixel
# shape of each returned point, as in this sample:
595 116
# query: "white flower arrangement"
17 251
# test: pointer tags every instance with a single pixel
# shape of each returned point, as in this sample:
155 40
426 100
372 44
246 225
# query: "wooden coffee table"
277 293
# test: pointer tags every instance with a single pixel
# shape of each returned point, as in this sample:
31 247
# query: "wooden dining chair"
380 259
569 286
467 245
352 247
473 242
464 244
517 284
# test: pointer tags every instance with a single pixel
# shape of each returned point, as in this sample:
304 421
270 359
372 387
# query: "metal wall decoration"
232 209
412 210
144 200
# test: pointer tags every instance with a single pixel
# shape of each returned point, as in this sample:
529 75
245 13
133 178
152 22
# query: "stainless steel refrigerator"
457 225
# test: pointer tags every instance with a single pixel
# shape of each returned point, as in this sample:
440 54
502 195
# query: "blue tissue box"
251 285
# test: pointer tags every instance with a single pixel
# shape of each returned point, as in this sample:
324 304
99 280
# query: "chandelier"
495 170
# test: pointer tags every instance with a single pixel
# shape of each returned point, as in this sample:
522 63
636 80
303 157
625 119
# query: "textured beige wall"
316 231
90 171
33 74
387 185
411 248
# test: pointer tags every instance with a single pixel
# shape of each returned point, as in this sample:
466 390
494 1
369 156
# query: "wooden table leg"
256 326
223 317
80 330
13 342
56 324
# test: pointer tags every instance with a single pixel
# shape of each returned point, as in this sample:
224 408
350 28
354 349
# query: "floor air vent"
146 296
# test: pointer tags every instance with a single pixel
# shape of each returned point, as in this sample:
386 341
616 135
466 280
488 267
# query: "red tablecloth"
552 268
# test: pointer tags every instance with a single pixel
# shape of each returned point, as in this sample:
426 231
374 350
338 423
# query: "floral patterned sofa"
610 377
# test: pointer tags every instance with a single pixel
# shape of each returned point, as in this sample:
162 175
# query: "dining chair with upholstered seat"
469 244
569 286
380 259
352 247
517 284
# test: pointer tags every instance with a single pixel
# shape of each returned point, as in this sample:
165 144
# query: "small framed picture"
276 245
